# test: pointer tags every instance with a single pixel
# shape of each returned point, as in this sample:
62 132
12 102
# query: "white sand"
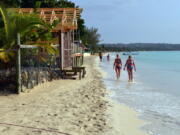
124 120
69 106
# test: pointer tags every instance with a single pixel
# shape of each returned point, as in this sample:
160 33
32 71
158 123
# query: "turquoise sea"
155 93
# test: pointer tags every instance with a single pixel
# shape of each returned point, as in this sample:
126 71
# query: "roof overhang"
67 17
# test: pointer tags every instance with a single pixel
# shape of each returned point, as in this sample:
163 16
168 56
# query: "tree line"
139 47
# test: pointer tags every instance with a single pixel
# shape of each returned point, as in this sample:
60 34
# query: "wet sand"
68 107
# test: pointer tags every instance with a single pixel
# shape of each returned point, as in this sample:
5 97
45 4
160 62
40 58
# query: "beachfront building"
67 23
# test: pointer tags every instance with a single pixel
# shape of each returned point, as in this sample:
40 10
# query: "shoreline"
124 120
71 107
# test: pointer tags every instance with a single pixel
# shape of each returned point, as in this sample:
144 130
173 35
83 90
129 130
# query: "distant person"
100 56
130 65
117 66
108 57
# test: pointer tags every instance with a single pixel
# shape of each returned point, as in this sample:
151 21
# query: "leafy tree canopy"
46 3
34 3
10 3
91 38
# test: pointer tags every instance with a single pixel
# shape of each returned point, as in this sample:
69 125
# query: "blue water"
155 92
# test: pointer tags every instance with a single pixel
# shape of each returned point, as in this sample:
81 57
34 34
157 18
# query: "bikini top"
130 62
117 61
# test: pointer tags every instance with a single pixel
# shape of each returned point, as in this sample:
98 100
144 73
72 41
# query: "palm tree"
16 24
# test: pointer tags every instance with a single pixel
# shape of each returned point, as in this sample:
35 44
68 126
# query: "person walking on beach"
117 66
100 56
108 57
130 66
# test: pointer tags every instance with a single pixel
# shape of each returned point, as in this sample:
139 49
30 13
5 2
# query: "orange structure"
67 19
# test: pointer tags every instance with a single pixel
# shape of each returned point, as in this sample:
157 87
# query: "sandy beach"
68 107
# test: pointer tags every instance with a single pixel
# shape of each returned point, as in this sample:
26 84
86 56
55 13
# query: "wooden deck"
81 71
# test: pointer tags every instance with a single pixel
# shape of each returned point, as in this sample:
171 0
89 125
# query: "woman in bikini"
117 65
130 66
108 57
100 56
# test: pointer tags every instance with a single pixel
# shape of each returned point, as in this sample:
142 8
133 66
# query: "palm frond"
18 23
4 56
50 49
4 15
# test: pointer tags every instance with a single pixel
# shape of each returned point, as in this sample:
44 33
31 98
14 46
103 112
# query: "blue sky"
126 21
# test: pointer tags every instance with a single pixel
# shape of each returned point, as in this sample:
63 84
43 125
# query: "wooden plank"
28 46
34 46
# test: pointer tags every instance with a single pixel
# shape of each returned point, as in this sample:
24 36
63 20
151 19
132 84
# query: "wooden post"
39 51
82 56
60 50
18 65
82 59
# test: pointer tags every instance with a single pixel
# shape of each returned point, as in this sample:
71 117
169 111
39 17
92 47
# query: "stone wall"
31 77
7 80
